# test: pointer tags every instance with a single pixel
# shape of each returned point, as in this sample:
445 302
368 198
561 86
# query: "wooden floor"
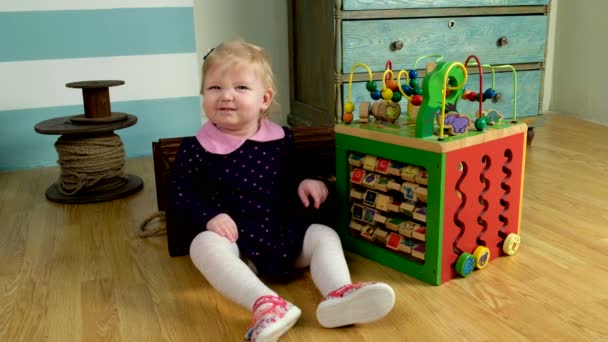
80 272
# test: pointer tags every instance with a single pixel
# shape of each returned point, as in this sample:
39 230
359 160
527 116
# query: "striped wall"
45 44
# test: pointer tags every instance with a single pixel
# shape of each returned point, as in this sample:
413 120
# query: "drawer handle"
397 45
502 41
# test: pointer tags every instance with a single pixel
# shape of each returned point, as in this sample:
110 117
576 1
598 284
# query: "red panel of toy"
483 188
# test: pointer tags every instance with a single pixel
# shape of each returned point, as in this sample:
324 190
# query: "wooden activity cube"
417 204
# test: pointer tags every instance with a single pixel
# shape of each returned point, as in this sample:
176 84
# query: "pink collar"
215 141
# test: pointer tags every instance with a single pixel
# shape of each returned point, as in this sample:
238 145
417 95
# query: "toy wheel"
465 264
482 256
511 244
393 110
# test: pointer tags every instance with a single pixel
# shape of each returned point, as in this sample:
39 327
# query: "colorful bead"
392 85
417 91
376 94
481 123
347 117
349 107
371 86
416 100
396 97
387 94
414 83
407 89
413 74
489 94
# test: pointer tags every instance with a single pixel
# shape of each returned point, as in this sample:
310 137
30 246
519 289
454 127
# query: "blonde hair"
237 53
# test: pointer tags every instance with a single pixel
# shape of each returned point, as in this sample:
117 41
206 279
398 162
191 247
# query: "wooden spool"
96 99
98 119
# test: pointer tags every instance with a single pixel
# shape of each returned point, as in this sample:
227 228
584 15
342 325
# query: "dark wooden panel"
312 61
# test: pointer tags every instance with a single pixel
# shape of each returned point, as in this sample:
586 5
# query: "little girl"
232 189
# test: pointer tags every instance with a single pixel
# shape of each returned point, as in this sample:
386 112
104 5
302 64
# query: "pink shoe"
355 303
272 317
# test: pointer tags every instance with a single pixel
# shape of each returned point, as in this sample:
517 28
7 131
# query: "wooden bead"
349 107
396 97
407 89
481 123
376 94
371 86
392 85
387 94
416 100
489 94
347 117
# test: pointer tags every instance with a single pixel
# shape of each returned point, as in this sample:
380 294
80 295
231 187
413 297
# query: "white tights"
218 260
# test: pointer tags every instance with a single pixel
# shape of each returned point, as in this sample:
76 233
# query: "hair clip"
208 53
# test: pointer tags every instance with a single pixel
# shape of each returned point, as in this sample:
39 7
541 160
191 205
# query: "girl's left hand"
315 189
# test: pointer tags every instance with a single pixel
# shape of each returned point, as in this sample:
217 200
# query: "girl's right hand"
223 225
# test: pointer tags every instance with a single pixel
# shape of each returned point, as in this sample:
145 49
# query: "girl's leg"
345 303
322 251
218 260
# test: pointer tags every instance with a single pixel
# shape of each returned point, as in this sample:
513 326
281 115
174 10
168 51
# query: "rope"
90 164
144 231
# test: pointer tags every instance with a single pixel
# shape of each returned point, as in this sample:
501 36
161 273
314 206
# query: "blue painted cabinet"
350 5
328 39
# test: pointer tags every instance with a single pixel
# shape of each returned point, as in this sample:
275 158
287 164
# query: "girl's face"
234 98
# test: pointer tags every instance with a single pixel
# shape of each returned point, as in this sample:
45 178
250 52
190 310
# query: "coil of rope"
90 164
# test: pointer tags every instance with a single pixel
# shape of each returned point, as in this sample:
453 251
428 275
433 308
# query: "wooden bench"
314 145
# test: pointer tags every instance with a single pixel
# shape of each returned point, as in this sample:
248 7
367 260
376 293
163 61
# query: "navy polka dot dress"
255 185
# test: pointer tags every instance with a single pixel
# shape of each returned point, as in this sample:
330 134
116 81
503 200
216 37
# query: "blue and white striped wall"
45 44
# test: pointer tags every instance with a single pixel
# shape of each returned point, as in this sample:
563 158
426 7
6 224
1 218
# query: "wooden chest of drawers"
328 38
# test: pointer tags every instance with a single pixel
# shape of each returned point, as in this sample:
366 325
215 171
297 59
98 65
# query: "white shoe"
272 318
356 303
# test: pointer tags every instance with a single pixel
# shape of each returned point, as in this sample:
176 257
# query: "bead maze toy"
387 107
433 205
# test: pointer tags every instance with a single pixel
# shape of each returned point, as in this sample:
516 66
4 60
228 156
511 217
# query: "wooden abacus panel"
388 204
